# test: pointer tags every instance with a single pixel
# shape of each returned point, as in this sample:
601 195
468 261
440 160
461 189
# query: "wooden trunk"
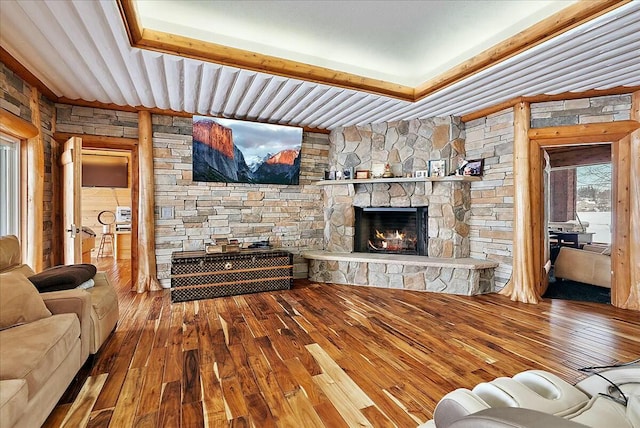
197 275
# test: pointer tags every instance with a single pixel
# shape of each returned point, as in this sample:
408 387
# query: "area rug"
571 290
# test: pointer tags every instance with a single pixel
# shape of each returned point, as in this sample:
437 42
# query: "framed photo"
421 173
438 168
473 168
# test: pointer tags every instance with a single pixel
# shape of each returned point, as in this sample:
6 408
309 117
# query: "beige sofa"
44 342
45 338
104 299
587 265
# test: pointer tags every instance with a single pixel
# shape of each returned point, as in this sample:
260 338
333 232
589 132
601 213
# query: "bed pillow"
20 302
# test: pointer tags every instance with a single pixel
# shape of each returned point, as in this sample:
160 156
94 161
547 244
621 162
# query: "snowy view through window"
594 200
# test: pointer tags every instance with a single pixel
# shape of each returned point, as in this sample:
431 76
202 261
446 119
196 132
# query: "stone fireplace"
448 202
391 230
387 258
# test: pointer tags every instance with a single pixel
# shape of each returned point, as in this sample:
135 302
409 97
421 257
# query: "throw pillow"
63 277
20 302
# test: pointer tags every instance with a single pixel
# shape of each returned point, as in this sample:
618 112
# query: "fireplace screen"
391 230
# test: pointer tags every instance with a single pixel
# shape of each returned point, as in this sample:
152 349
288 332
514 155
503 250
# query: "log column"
522 286
147 274
35 190
626 260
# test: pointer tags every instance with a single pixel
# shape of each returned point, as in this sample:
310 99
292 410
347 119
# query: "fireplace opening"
391 230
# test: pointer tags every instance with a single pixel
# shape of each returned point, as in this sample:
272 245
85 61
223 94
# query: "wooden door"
71 161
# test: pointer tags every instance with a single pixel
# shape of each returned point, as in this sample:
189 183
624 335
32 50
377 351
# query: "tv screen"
235 151
105 171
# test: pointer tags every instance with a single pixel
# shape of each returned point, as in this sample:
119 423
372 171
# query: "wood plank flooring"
326 355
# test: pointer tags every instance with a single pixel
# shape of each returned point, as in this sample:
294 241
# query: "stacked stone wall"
491 219
15 94
96 121
580 111
189 214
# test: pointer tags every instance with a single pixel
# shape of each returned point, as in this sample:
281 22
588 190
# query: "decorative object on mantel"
421 173
473 168
438 168
377 169
387 172
362 174
397 180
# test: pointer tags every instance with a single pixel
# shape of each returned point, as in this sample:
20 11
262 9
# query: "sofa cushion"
10 254
34 351
20 302
64 277
14 396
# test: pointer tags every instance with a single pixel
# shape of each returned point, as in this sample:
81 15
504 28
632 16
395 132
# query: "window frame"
20 190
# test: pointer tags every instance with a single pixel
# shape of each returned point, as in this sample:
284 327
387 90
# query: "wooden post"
522 286
147 277
35 189
625 292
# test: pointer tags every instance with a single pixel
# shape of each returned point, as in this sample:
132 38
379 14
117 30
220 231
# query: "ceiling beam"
568 18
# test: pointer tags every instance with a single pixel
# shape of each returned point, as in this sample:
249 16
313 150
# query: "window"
9 185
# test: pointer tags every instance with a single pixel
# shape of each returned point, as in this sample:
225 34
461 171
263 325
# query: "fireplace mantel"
397 180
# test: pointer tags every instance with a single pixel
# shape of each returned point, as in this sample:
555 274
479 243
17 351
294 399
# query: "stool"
107 238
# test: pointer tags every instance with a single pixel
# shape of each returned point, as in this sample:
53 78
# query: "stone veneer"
15 94
189 214
453 276
412 144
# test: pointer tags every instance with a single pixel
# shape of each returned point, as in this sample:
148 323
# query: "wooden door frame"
616 133
122 144
71 177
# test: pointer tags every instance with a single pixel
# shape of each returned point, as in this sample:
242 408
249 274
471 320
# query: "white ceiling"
406 42
80 50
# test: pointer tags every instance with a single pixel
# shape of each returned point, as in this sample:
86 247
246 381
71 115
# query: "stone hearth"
464 276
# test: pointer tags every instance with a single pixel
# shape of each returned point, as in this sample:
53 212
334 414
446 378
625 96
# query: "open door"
71 161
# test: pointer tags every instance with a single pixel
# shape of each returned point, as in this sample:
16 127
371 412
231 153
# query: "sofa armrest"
73 301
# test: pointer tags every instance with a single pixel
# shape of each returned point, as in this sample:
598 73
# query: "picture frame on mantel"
438 168
473 168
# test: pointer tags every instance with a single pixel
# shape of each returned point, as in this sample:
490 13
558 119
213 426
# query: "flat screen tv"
105 171
235 151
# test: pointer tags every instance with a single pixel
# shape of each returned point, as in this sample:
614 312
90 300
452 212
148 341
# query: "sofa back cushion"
10 254
20 302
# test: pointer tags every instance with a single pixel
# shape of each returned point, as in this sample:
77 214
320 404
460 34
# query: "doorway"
578 200
107 197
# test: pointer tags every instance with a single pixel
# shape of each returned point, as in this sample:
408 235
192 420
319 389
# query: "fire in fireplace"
391 230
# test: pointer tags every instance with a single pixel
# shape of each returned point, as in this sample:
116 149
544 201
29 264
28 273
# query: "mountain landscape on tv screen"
245 152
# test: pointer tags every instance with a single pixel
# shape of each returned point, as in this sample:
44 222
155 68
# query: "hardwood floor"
327 355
